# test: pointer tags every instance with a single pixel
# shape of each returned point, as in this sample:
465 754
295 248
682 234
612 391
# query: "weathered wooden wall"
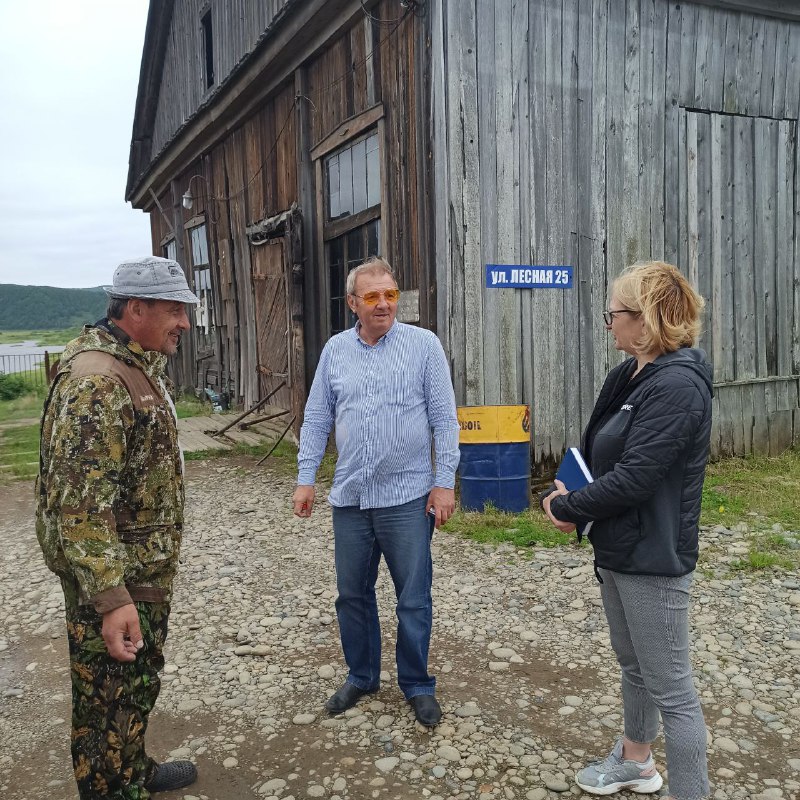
260 169
601 132
248 177
237 26
378 63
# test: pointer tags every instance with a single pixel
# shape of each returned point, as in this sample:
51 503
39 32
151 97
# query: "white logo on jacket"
627 407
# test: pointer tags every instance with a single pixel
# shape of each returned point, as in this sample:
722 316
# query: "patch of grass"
19 452
768 551
42 338
522 530
27 406
737 488
757 561
189 406
776 542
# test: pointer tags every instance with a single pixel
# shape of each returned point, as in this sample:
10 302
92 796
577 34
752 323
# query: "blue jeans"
403 535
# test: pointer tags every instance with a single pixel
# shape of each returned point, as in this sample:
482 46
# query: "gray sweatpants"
648 617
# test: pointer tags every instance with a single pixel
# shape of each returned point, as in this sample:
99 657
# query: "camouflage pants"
111 701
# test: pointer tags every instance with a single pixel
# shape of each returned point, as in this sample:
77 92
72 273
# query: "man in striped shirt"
386 387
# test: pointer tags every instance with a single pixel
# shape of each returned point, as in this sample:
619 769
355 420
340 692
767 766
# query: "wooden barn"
278 143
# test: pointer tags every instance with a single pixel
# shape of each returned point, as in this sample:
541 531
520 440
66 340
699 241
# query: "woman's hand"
564 527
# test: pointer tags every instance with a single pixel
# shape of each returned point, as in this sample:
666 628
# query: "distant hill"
49 307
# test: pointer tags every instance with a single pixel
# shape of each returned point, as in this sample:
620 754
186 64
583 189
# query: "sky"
70 72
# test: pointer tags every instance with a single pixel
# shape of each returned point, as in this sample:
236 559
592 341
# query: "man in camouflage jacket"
109 520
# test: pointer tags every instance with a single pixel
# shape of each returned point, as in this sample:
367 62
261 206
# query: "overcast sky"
67 93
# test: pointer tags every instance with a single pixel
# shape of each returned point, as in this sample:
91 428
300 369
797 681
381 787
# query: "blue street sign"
512 276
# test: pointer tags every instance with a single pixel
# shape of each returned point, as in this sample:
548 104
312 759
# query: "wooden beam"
349 129
338 227
783 9
308 211
158 206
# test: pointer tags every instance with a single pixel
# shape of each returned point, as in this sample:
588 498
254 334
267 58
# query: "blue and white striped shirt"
385 400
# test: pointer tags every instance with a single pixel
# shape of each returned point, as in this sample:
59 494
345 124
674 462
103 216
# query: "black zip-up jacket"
647 444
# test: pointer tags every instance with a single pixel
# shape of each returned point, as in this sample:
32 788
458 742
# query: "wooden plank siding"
236 25
262 167
249 176
634 130
593 133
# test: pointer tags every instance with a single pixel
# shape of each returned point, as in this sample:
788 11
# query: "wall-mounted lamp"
188 197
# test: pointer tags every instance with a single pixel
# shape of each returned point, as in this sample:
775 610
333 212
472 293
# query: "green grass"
768 551
26 406
189 406
522 530
738 488
29 405
42 338
756 561
19 452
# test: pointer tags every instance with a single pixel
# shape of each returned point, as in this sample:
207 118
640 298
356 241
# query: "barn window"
353 178
208 49
344 253
204 312
170 250
352 229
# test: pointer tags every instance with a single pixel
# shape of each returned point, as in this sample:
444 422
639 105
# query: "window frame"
368 211
166 242
346 135
207 48
205 341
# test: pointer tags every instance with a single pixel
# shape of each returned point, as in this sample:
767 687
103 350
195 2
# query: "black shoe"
171 775
426 709
346 696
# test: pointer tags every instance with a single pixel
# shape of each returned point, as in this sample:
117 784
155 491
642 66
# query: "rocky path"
527 679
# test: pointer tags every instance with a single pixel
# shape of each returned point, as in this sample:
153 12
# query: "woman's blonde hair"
669 306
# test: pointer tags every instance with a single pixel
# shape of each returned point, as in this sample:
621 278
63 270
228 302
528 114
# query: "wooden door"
273 323
739 183
740 187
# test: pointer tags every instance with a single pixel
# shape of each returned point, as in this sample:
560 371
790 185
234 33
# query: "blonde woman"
647 444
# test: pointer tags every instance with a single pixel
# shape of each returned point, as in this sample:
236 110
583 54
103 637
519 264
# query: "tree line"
49 307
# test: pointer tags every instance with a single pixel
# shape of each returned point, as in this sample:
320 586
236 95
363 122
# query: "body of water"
25 356
28 349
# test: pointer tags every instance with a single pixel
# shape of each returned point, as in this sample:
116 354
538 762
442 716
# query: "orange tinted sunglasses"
373 298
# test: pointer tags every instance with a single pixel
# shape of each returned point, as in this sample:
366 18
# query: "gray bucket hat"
151 278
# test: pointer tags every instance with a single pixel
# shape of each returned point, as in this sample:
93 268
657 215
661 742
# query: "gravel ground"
526 676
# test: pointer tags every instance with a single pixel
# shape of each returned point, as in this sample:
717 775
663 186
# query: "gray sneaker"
615 773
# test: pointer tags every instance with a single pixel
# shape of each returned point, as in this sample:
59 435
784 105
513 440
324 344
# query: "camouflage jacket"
110 487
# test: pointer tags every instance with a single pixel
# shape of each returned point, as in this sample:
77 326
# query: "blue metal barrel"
495 457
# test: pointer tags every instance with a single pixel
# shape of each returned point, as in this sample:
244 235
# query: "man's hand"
564 527
122 634
443 501
303 501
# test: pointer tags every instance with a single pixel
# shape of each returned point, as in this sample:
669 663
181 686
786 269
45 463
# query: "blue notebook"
574 474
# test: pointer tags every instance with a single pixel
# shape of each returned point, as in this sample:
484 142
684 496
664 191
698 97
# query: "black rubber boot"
171 775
